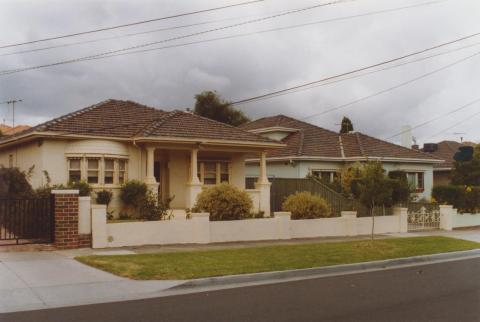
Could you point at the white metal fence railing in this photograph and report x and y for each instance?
(423, 218)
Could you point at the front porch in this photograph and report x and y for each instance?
(182, 171)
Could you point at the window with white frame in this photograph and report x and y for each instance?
(416, 180)
(214, 172)
(97, 170)
(109, 171)
(93, 170)
(122, 171)
(326, 175)
(74, 169)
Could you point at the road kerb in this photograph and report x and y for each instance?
(276, 276)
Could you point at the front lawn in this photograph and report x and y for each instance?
(198, 264)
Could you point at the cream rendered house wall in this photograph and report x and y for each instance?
(300, 169)
(24, 157)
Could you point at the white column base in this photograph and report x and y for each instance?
(193, 190)
(264, 189)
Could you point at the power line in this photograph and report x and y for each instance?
(436, 118)
(371, 13)
(393, 87)
(129, 24)
(454, 125)
(260, 31)
(125, 35)
(7, 72)
(271, 94)
(369, 73)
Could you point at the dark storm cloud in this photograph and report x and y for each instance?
(248, 66)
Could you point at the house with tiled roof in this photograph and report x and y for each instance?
(312, 150)
(444, 150)
(8, 130)
(175, 153)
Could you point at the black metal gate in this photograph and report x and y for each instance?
(26, 221)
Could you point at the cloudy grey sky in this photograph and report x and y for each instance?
(247, 66)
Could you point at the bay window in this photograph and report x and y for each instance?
(74, 170)
(109, 170)
(93, 170)
(97, 170)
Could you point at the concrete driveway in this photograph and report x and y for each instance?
(35, 280)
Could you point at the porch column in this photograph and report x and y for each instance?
(264, 185)
(194, 167)
(150, 178)
(194, 186)
(263, 169)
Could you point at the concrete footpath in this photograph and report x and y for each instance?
(38, 280)
(47, 279)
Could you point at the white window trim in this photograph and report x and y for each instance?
(218, 173)
(101, 169)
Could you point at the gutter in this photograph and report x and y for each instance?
(348, 159)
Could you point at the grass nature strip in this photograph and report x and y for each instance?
(208, 263)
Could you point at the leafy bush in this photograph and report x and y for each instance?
(304, 205)
(400, 187)
(463, 198)
(132, 193)
(14, 183)
(224, 202)
(124, 216)
(153, 209)
(83, 187)
(104, 197)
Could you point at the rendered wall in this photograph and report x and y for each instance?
(200, 230)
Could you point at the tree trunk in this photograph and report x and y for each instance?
(372, 212)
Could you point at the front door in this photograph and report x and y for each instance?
(160, 171)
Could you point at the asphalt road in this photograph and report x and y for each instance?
(439, 292)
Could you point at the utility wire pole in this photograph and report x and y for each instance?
(12, 102)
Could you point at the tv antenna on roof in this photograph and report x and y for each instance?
(12, 102)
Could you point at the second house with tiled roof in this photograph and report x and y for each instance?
(312, 150)
(175, 153)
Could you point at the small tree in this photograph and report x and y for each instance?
(373, 188)
(14, 183)
(347, 125)
(210, 105)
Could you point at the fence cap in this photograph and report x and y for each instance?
(65, 192)
(200, 215)
(282, 214)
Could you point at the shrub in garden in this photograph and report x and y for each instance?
(84, 188)
(132, 193)
(224, 202)
(104, 197)
(152, 209)
(304, 205)
(14, 183)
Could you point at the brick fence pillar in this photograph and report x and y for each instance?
(66, 219)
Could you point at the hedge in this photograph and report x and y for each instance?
(463, 198)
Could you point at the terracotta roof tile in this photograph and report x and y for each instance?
(127, 119)
(314, 141)
(445, 151)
